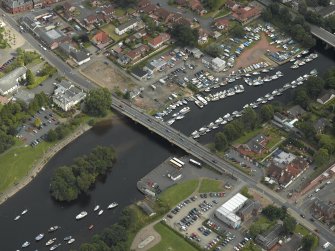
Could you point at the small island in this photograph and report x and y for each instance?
(68, 182)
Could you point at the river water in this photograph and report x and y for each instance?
(138, 152)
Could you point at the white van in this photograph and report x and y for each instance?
(326, 245)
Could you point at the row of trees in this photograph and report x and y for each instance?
(249, 121)
(68, 182)
(295, 27)
(12, 116)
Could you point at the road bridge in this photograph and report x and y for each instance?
(323, 35)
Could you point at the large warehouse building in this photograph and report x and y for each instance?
(227, 212)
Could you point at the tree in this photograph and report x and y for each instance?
(126, 3)
(314, 86)
(98, 102)
(274, 213)
(267, 15)
(308, 242)
(250, 119)
(302, 8)
(289, 224)
(185, 35)
(324, 2)
(220, 141)
(237, 30)
(37, 122)
(30, 77)
(231, 132)
(266, 113)
(275, 8)
(301, 98)
(321, 157)
(214, 50)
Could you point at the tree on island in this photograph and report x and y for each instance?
(68, 182)
(98, 102)
(185, 35)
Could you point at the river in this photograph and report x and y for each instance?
(138, 152)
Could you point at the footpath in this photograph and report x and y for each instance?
(42, 162)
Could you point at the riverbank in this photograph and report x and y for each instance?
(52, 151)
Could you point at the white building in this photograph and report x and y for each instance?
(123, 28)
(10, 82)
(67, 95)
(227, 212)
(218, 64)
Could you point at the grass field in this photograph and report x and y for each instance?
(301, 230)
(179, 192)
(17, 162)
(170, 241)
(208, 185)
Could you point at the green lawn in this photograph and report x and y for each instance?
(38, 80)
(170, 241)
(179, 192)
(17, 162)
(208, 185)
(222, 13)
(301, 230)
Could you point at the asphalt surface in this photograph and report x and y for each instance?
(172, 135)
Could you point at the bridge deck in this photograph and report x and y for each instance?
(324, 35)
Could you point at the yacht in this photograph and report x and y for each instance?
(224, 122)
(39, 237)
(55, 246)
(112, 205)
(49, 242)
(185, 110)
(71, 241)
(314, 72)
(196, 136)
(53, 228)
(219, 120)
(199, 104)
(24, 211)
(304, 52)
(211, 125)
(295, 66)
(25, 244)
(171, 121)
(180, 117)
(81, 215)
(100, 212)
(194, 133)
(17, 217)
(96, 208)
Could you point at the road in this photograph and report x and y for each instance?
(172, 135)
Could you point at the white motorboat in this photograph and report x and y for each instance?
(185, 110)
(25, 244)
(71, 241)
(112, 205)
(179, 117)
(100, 212)
(194, 133)
(224, 122)
(219, 120)
(24, 211)
(49, 242)
(196, 136)
(53, 228)
(199, 104)
(81, 215)
(170, 122)
(17, 217)
(39, 237)
(96, 208)
(67, 238)
(55, 246)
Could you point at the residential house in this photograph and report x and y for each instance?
(67, 95)
(148, 9)
(143, 3)
(164, 15)
(138, 52)
(251, 208)
(326, 96)
(270, 238)
(195, 5)
(52, 38)
(280, 118)
(123, 59)
(159, 40)
(90, 20)
(284, 173)
(256, 145)
(320, 209)
(139, 74)
(221, 23)
(101, 38)
(320, 125)
(296, 111)
(293, 244)
(11, 81)
(123, 28)
(80, 57)
(108, 12)
(17, 6)
(244, 14)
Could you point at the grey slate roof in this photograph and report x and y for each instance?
(9, 80)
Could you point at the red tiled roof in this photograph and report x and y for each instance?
(222, 21)
(161, 38)
(101, 37)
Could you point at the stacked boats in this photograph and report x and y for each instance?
(259, 81)
(178, 115)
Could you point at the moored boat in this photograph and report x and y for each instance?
(55, 246)
(96, 208)
(39, 237)
(100, 212)
(81, 215)
(112, 205)
(71, 241)
(53, 228)
(90, 227)
(24, 211)
(49, 242)
(67, 238)
(25, 244)
(17, 217)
